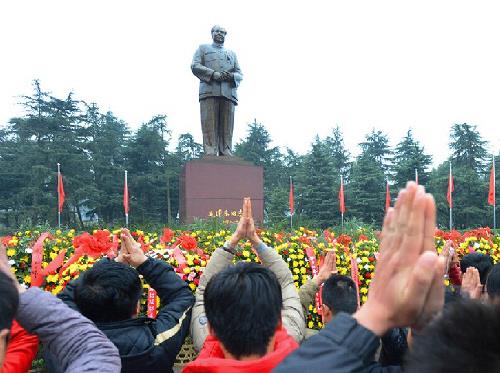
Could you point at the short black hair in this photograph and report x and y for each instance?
(339, 294)
(482, 262)
(243, 306)
(463, 339)
(493, 282)
(109, 291)
(9, 301)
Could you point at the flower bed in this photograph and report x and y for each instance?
(64, 255)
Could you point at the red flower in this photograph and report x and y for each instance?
(344, 239)
(187, 242)
(93, 245)
(168, 234)
(362, 237)
(5, 240)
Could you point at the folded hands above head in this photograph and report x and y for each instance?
(246, 227)
(407, 289)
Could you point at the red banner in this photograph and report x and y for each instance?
(341, 197)
(314, 268)
(355, 275)
(152, 303)
(290, 198)
(36, 260)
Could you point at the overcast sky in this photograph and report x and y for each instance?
(308, 66)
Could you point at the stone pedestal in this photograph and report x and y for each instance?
(215, 187)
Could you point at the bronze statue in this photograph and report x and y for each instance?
(219, 74)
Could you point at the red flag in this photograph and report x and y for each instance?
(290, 198)
(60, 191)
(341, 197)
(125, 195)
(491, 193)
(387, 197)
(451, 188)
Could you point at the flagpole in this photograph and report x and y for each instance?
(451, 197)
(342, 212)
(494, 196)
(291, 212)
(126, 212)
(58, 196)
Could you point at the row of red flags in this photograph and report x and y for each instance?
(342, 209)
(449, 194)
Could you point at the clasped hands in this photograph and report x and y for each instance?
(246, 226)
(130, 251)
(223, 76)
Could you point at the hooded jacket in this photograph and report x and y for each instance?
(211, 358)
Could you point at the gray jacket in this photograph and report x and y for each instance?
(210, 58)
(292, 314)
(74, 341)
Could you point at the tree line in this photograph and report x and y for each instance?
(95, 147)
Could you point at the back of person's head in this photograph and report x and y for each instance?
(493, 285)
(9, 301)
(463, 339)
(339, 295)
(482, 262)
(109, 291)
(243, 306)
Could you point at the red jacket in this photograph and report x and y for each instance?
(21, 350)
(211, 358)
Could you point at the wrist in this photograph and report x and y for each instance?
(372, 318)
(255, 240)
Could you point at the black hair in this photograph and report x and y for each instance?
(9, 301)
(243, 306)
(482, 262)
(339, 294)
(493, 282)
(463, 339)
(109, 291)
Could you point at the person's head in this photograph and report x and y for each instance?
(9, 301)
(109, 291)
(243, 307)
(338, 295)
(218, 34)
(483, 263)
(493, 285)
(463, 339)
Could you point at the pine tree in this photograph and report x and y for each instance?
(408, 157)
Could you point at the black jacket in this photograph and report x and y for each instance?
(148, 345)
(342, 346)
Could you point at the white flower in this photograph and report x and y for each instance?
(29, 250)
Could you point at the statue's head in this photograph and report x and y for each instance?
(218, 34)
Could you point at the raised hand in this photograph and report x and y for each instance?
(251, 233)
(131, 250)
(471, 283)
(328, 268)
(407, 287)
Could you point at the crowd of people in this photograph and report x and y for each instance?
(249, 317)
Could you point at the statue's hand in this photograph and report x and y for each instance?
(217, 76)
(226, 75)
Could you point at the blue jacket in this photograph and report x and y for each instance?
(342, 346)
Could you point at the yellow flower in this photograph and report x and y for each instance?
(246, 253)
(192, 286)
(11, 252)
(187, 270)
(310, 324)
(27, 279)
